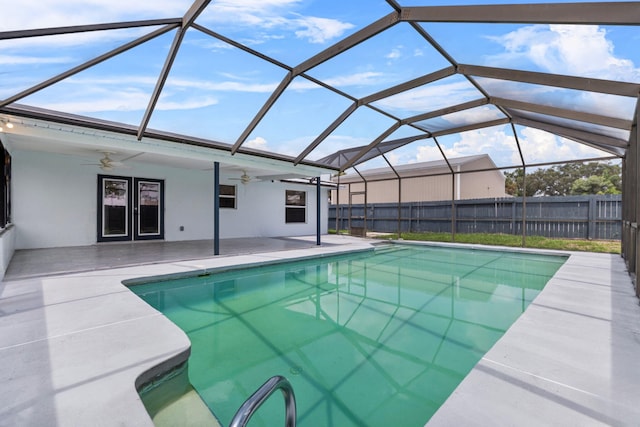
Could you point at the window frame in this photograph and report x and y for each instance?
(292, 209)
(233, 197)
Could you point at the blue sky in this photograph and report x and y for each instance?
(214, 90)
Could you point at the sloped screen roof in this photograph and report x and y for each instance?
(335, 84)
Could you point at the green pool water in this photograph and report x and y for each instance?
(369, 339)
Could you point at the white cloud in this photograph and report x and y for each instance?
(186, 103)
(105, 101)
(275, 15)
(431, 97)
(493, 141)
(335, 143)
(394, 54)
(258, 143)
(320, 30)
(539, 147)
(32, 60)
(356, 79)
(175, 83)
(474, 115)
(56, 13)
(582, 50)
(95, 100)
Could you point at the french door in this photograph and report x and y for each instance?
(130, 208)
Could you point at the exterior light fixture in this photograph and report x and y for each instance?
(5, 124)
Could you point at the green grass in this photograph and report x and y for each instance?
(603, 246)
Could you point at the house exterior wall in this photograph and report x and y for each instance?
(55, 203)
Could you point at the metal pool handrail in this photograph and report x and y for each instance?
(256, 400)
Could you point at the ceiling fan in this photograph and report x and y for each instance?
(245, 179)
(106, 163)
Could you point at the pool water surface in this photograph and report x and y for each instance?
(373, 338)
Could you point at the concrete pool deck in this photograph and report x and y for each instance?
(72, 346)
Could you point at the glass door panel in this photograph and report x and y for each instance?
(130, 208)
(114, 201)
(148, 209)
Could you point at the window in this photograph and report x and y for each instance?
(296, 206)
(228, 196)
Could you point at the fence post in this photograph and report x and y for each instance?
(513, 216)
(591, 221)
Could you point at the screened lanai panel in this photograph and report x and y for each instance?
(415, 151)
(402, 136)
(540, 147)
(484, 113)
(213, 90)
(290, 32)
(48, 14)
(556, 49)
(28, 62)
(297, 118)
(387, 59)
(443, 93)
(392, 147)
(621, 134)
(496, 141)
(605, 104)
(116, 89)
(360, 129)
(371, 163)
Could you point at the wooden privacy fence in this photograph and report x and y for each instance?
(574, 217)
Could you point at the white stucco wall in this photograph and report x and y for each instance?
(55, 203)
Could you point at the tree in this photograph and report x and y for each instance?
(567, 179)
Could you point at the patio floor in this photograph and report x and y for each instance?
(43, 262)
(73, 346)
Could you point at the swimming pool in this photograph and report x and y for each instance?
(373, 338)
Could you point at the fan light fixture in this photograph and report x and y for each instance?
(5, 123)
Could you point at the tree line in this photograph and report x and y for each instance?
(567, 180)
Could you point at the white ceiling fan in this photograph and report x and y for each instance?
(107, 164)
(245, 178)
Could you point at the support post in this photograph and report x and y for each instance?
(216, 208)
(453, 206)
(399, 207)
(524, 206)
(318, 210)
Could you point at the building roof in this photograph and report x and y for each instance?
(481, 162)
(329, 85)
